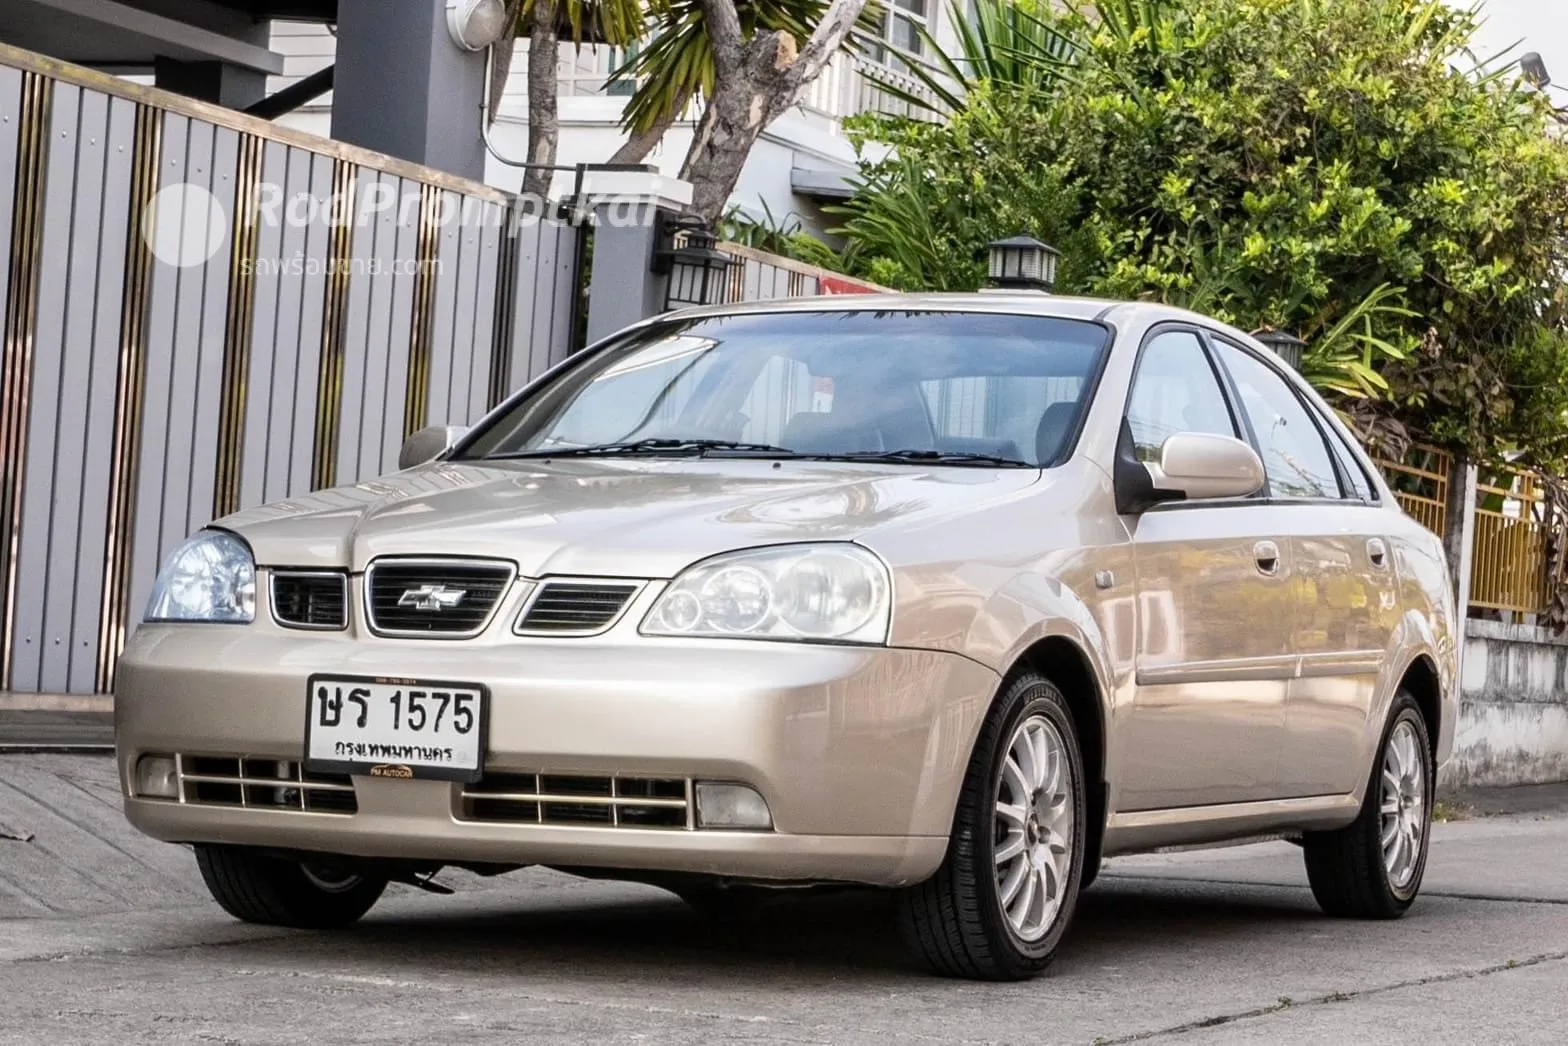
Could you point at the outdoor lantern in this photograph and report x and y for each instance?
(698, 271)
(1023, 263)
(1534, 70)
(1287, 347)
(476, 24)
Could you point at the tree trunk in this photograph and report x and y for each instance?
(729, 129)
(501, 63)
(756, 81)
(544, 46)
(636, 148)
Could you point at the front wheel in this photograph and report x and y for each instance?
(1372, 868)
(1003, 897)
(275, 891)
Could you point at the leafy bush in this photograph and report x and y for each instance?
(1336, 168)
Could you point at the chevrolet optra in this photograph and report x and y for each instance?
(955, 596)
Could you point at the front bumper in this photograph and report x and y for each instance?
(859, 752)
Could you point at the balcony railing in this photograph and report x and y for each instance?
(851, 84)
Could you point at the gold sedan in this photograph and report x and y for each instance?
(951, 595)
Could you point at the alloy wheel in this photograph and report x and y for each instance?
(1034, 828)
(1403, 807)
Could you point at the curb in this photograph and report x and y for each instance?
(102, 704)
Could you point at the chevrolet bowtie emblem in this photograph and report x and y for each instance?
(432, 597)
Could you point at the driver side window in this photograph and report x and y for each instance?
(1175, 390)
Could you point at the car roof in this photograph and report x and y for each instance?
(1104, 310)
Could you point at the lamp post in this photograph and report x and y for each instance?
(688, 254)
(1287, 347)
(1023, 263)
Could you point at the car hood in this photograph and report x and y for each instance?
(625, 517)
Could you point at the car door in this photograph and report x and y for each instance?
(1215, 647)
(1346, 584)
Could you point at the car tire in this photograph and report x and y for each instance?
(274, 891)
(1372, 868)
(971, 919)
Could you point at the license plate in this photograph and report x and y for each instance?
(395, 727)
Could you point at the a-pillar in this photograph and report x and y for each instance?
(405, 88)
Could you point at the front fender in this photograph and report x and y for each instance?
(1032, 608)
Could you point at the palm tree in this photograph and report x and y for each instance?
(747, 60)
(617, 22)
(676, 65)
(1017, 43)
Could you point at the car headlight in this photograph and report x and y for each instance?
(212, 577)
(833, 592)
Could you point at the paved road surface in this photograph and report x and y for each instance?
(106, 938)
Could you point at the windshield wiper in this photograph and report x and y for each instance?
(652, 446)
(935, 457)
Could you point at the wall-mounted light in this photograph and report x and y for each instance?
(688, 253)
(476, 24)
(1287, 347)
(1023, 263)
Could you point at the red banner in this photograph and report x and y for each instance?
(843, 285)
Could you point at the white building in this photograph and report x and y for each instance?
(799, 163)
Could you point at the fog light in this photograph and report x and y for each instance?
(155, 777)
(731, 806)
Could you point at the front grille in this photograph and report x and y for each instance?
(442, 599)
(563, 799)
(268, 784)
(576, 606)
(310, 599)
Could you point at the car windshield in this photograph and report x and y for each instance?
(977, 389)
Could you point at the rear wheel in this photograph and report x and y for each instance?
(1003, 898)
(1372, 868)
(275, 891)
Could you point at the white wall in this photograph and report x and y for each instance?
(1513, 713)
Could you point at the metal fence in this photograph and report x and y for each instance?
(1420, 484)
(759, 276)
(186, 333)
(1508, 565)
(1508, 573)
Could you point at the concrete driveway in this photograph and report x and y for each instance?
(107, 938)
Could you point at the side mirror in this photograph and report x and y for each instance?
(1199, 465)
(428, 444)
(1192, 465)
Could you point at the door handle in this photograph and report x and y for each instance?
(1377, 552)
(1266, 553)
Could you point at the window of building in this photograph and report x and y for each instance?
(902, 21)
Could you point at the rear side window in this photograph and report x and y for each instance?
(1176, 390)
(1295, 457)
